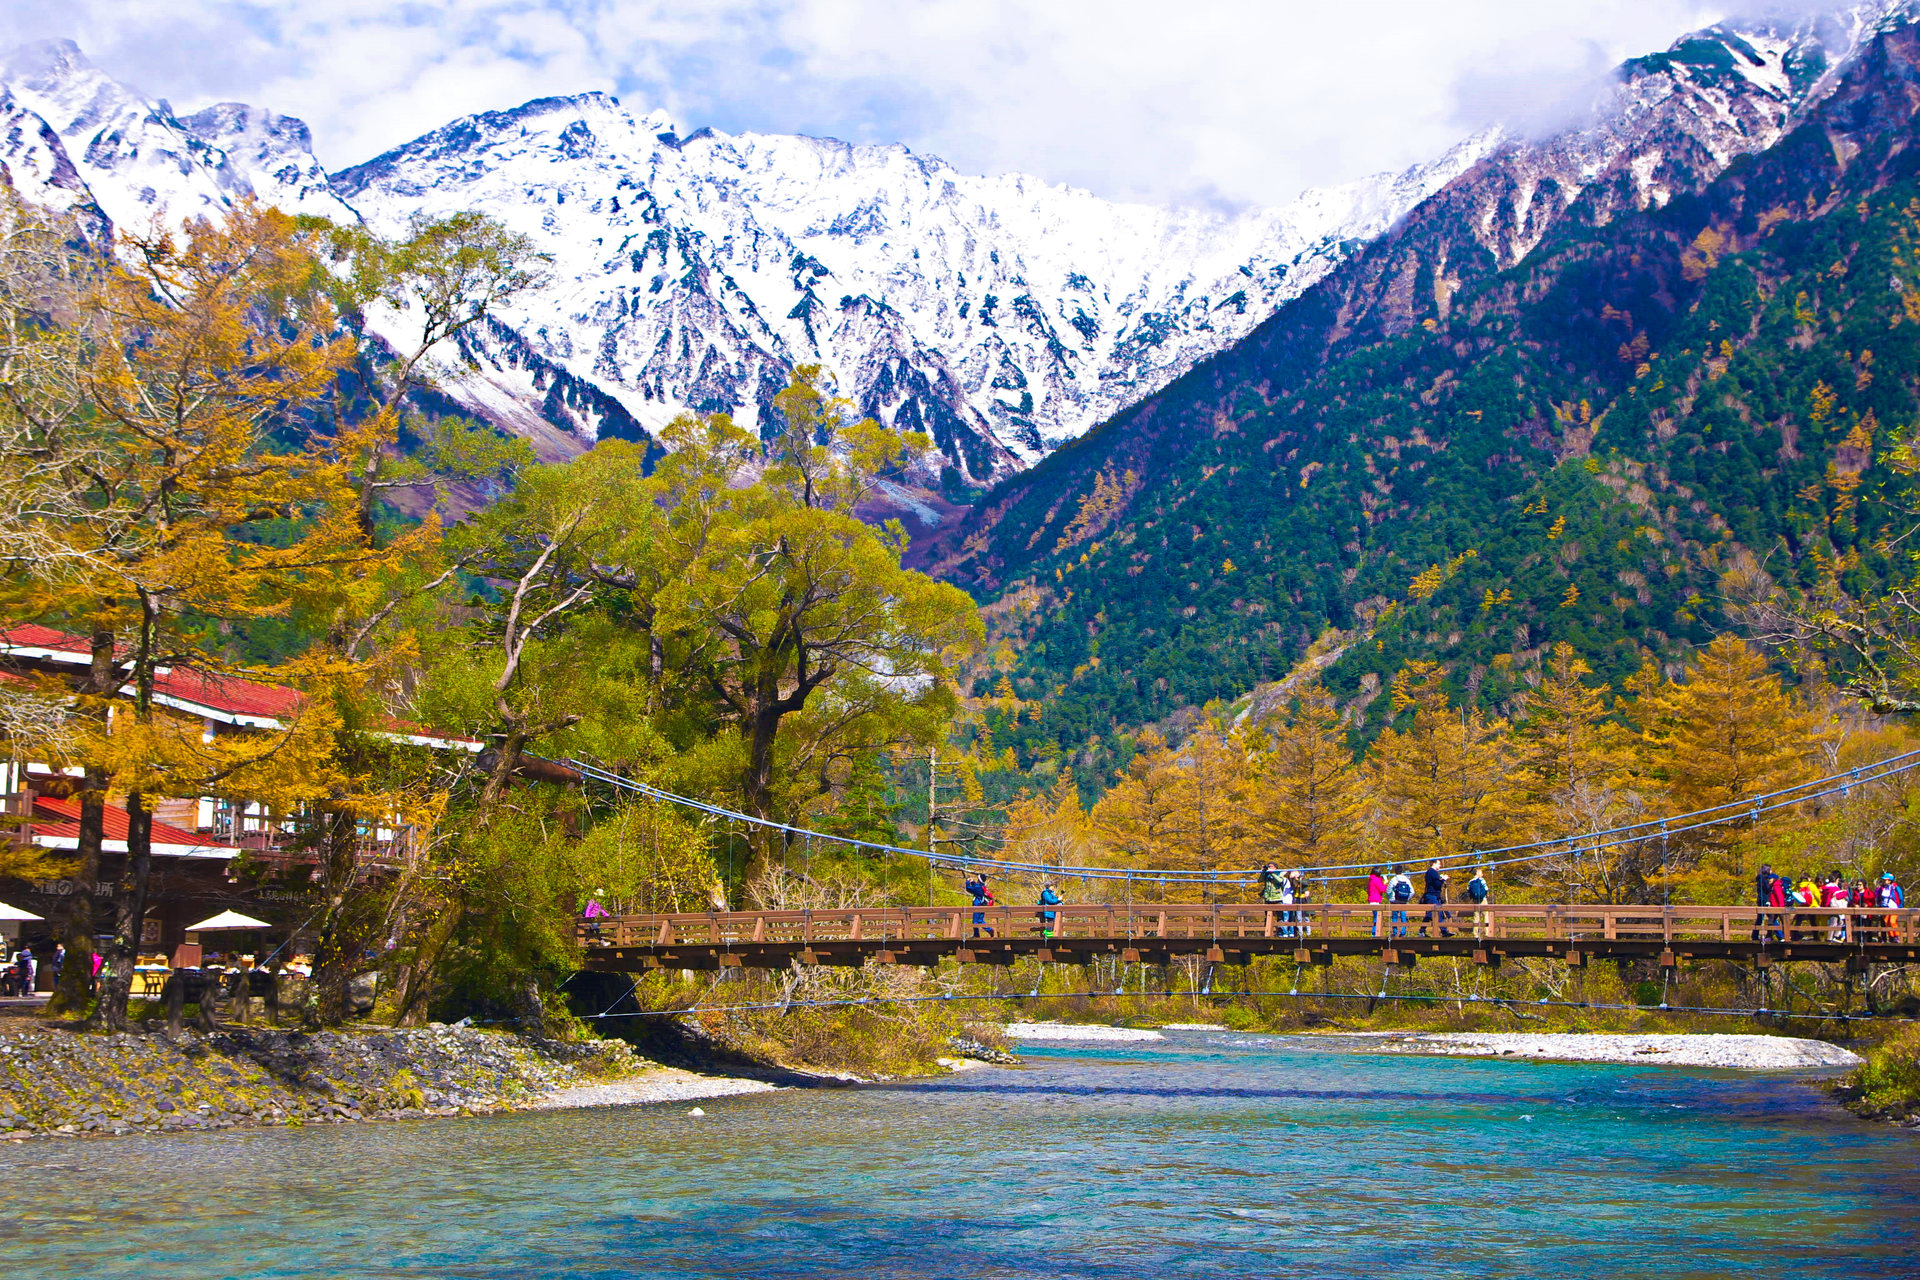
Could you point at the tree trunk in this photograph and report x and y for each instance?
(408, 990)
(756, 789)
(116, 980)
(77, 918)
(333, 959)
(500, 774)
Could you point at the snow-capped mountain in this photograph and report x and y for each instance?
(136, 159)
(1002, 315)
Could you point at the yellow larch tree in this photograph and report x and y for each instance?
(1302, 790)
(1141, 817)
(1728, 730)
(1440, 787)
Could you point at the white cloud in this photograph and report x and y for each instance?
(1230, 100)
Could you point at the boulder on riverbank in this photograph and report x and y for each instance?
(55, 1080)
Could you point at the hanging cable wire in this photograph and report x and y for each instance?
(1751, 807)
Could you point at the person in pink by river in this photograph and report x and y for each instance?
(1376, 893)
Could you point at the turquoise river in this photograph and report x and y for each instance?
(1208, 1154)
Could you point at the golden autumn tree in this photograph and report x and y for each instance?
(1302, 792)
(1727, 731)
(1051, 829)
(1181, 810)
(1140, 817)
(201, 356)
(1438, 787)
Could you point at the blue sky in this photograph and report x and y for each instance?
(1213, 101)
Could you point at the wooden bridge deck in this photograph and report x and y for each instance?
(1234, 933)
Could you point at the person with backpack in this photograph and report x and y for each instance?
(982, 897)
(1480, 894)
(1833, 896)
(1805, 894)
(1889, 898)
(1763, 882)
(1399, 892)
(1048, 898)
(1303, 894)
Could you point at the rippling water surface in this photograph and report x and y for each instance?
(1206, 1155)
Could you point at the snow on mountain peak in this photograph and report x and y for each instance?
(1002, 315)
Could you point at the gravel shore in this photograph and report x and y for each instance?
(1074, 1031)
(660, 1084)
(1736, 1052)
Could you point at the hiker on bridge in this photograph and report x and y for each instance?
(1048, 898)
(1769, 890)
(1435, 895)
(1376, 893)
(982, 897)
(1480, 894)
(1399, 892)
(1273, 885)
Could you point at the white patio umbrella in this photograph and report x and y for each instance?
(13, 915)
(227, 920)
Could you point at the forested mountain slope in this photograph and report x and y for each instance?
(1438, 453)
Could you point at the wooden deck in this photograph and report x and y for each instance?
(1234, 933)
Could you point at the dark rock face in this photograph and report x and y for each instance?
(56, 1081)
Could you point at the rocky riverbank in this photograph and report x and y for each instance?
(56, 1081)
(1733, 1052)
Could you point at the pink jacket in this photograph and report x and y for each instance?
(1376, 889)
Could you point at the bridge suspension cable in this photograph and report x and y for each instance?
(1748, 807)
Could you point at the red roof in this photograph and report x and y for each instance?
(224, 695)
(57, 818)
(227, 693)
(28, 635)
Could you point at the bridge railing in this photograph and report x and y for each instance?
(1225, 922)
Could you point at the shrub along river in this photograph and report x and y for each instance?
(1207, 1154)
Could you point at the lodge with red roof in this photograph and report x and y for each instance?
(195, 842)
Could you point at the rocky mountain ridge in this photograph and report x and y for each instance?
(1670, 125)
(1001, 315)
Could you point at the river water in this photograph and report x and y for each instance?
(1209, 1154)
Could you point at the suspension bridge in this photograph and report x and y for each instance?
(1229, 933)
(1226, 933)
